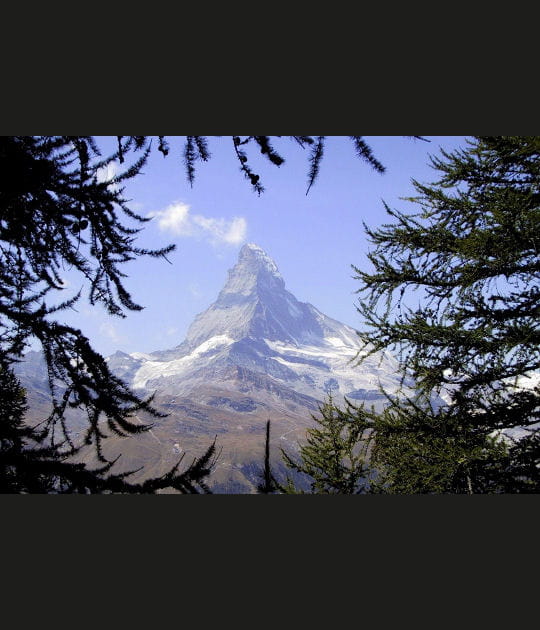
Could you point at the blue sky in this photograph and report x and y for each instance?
(313, 238)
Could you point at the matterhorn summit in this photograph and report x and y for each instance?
(258, 332)
(254, 304)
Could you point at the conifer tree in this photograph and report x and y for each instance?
(267, 484)
(470, 251)
(15, 477)
(334, 458)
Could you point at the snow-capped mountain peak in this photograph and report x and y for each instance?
(255, 324)
(254, 254)
(254, 271)
(254, 303)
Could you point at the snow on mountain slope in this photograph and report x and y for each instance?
(151, 370)
(257, 324)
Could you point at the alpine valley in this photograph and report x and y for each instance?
(255, 354)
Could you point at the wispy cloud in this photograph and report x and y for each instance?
(178, 220)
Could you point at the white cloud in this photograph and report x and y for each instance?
(230, 232)
(176, 219)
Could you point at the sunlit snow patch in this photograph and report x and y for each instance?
(155, 369)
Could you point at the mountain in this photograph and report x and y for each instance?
(256, 353)
(257, 327)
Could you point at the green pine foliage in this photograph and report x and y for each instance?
(454, 292)
(422, 448)
(14, 434)
(334, 458)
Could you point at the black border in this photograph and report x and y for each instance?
(412, 92)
